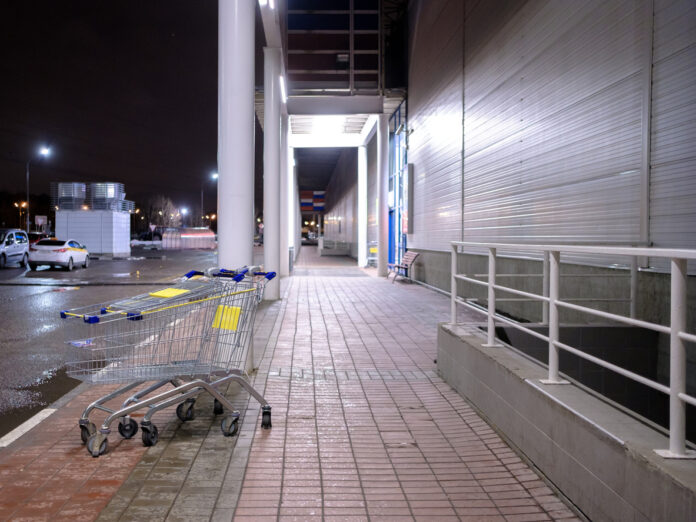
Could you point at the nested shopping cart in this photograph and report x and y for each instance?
(194, 335)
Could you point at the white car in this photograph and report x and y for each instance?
(58, 252)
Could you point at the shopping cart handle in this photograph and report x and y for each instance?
(231, 275)
(243, 270)
(267, 275)
(192, 273)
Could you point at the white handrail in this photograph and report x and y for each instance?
(582, 249)
(551, 303)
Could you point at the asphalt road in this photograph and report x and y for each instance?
(32, 342)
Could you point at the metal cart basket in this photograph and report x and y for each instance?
(194, 335)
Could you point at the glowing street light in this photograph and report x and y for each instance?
(44, 152)
(214, 176)
(20, 206)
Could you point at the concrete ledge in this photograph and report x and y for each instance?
(599, 457)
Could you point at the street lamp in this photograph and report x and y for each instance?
(19, 206)
(213, 176)
(184, 211)
(44, 152)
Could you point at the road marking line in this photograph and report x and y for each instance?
(25, 427)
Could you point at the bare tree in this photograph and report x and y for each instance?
(162, 212)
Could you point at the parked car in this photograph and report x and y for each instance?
(35, 237)
(151, 235)
(58, 252)
(14, 245)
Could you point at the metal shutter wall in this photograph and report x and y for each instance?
(552, 131)
(435, 115)
(673, 152)
(341, 201)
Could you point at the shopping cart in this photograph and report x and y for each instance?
(194, 336)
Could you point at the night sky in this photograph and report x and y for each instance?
(122, 90)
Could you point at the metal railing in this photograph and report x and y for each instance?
(552, 303)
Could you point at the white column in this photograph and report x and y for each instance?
(292, 203)
(284, 267)
(362, 206)
(236, 24)
(271, 168)
(383, 181)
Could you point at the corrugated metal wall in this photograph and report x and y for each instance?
(435, 115)
(340, 216)
(554, 98)
(673, 176)
(552, 134)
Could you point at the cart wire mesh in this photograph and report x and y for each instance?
(207, 331)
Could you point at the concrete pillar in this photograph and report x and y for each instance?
(383, 181)
(236, 22)
(284, 195)
(362, 206)
(271, 168)
(292, 199)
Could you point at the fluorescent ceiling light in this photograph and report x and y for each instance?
(328, 125)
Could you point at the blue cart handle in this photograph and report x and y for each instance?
(267, 275)
(231, 275)
(243, 270)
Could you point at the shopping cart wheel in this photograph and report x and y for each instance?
(185, 411)
(127, 428)
(97, 444)
(150, 434)
(86, 430)
(230, 425)
(266, 417)
(217, 407)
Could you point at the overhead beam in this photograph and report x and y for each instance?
(335, 105)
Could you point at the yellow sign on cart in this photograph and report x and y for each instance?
(169, 292)
(227, 317)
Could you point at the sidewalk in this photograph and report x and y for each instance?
(363, 428)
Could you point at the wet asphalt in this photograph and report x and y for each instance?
(33, 351)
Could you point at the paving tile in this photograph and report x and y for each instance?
(362, 427)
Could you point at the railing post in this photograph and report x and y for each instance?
(677, 360)
(545, 289)
(554, 286)
(491, 299)
(634, 285)
(677, 366)
(453, 284)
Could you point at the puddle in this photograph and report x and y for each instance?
(28, 401)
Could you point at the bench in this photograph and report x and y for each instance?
(403, 267)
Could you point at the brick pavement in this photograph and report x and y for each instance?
(363, 428)
(48, 475)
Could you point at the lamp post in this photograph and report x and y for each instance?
(44, 152)
(20, 206)
(213, 176)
